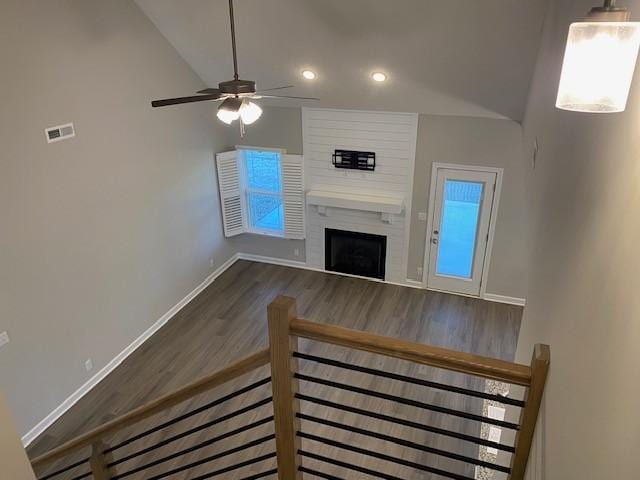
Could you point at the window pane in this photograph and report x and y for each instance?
(459, 226)
(266, 211)
(263, 171)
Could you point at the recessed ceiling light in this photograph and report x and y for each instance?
(309, 74)
(379, 76)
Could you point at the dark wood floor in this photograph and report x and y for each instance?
(228, 321)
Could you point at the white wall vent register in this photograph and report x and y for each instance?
(61, 132)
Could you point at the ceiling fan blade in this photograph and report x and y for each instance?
(179, 100)
(287, 96)
(210, 91)
(276, 88)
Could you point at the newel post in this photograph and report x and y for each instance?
(285, 406)
(99, 461)
(529, 414)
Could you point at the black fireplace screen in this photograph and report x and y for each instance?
(355, 253)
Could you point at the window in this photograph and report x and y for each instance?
(263, 172)
(261, 191)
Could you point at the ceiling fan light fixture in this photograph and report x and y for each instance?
(379, 77)
(599, 61)
(227, 116)
(309, 74)
(250, 112)
(229, 110)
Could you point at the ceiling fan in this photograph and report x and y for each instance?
(236, 94)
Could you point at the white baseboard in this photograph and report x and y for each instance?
(492, 297)
(414, 284)
(297, 264)
(32, 434)
(273, 260)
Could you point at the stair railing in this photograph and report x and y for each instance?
(100, 463)
(284, 355)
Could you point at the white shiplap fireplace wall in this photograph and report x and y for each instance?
(392, 136)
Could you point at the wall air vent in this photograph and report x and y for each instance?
(61, 132)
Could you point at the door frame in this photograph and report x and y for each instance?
(492, 221)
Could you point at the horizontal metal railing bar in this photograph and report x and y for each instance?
(193, 448)
(412, 380)
(407, 401)
(237, 466)
(184, 416)
(205, 384)
(82, 476)
(268, 473)
(191, 431)
(406, 423)
(317, 473)
(211, 458)
(404, 443)
(385, 457)
(348, 466)
(64, 469)
(462, 362)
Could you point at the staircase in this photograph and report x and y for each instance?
(311, 436)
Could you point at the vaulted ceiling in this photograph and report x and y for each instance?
(452, 57)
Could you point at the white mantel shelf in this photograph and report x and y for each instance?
(386, 206)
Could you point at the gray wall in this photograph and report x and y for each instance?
(103, 233)
(277, 128)
(583, 289)
(14, 463)
(481, 142)
(460, 140)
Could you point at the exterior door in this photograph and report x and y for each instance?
(461, 215)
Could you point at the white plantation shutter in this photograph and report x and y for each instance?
(293, 196)
(233, 210)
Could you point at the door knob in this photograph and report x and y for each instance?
(434, 241)
(436, 232)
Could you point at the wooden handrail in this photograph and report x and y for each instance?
(206, 383)
(424, 354)
(529, 415)
(285, 386)
(99, 461)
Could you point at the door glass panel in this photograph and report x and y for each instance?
(459, 227)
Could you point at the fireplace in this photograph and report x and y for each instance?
(355, 253)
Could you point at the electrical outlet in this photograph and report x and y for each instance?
(4, 338)
(211, 262)
(422, 216)
(88, 365)
(296, 252)
(419, 272)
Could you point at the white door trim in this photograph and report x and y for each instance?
(492, 220)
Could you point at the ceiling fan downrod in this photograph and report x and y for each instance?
(233, 41)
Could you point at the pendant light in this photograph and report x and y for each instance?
(599, 61)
